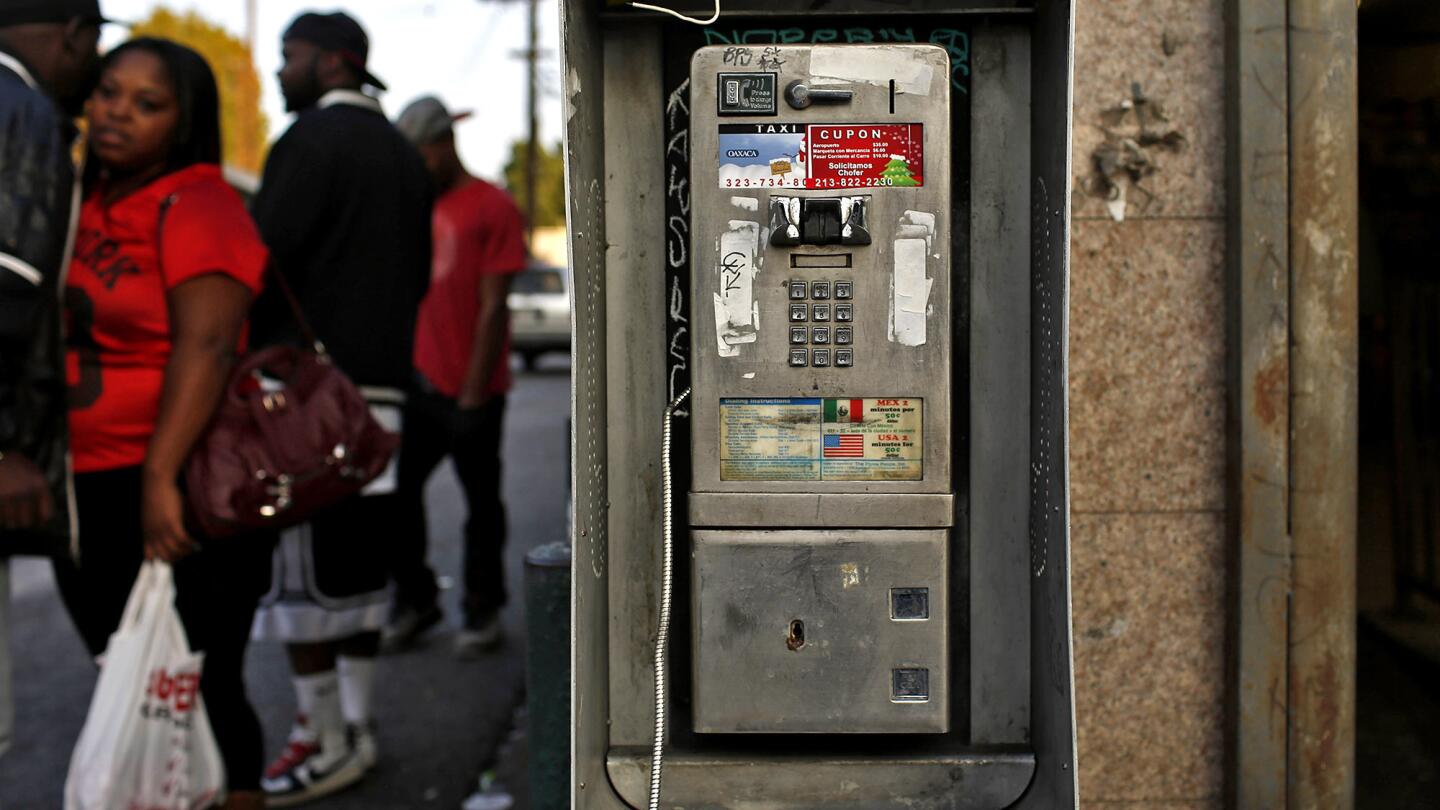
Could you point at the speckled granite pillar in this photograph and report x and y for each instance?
(1147, 411)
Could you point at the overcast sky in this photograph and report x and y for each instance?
(461, 50)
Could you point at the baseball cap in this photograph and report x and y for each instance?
(20, 12)
(339, 32)
(425, 119)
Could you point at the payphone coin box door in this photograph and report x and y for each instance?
(820, 180)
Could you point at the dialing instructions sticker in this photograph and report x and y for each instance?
(822, 156)
(782, 439)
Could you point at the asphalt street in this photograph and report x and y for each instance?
(440, 720)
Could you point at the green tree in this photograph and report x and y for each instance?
(549, 182)
(242, 123)
(897, 171)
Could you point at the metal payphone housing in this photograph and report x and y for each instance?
(1006, 734)
(822, 269)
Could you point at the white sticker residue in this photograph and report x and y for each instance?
(911, 72)
(746, 203)
(737, 313)
(911, 293)
(909, 288)
(917, 225)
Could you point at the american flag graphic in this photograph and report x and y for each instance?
(844, 445)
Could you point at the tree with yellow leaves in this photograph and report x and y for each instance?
(242, 124)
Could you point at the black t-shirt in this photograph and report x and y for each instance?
(344, 207)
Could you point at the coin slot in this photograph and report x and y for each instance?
(822, 261)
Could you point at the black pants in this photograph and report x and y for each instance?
(216, 590)
(433, 429)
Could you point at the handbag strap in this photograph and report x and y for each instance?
(306, 332)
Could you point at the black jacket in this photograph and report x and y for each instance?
(344, 206)
(36, 187)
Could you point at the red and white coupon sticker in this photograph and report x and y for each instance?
(822, 156)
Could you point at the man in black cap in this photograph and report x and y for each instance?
(344, 206)
(47, 62)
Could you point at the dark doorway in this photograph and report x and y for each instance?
(1398, 565)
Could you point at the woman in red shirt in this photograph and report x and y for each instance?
(166, 263)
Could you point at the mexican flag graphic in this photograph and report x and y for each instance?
(844, 410)
(897, 172)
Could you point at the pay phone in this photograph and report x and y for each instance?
(821, 516)
(821, 495)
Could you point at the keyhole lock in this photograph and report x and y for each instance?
(801, 95)
(795, 639)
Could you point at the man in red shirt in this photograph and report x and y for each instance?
(462, 360)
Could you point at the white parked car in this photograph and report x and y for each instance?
(540, 312)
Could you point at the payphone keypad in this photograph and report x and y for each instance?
(820, 338)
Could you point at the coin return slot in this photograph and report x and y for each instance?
(795, 639)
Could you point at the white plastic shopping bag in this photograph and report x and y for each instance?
(147, 742)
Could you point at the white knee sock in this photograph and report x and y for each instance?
(357, 683)
(318, 697)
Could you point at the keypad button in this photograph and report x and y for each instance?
(799, 357)
(820, 312)
(844, 358)
(799, 313)
(820, 290)
(820, 334)
(797, 291)
(820, 358)
(842, 336)
(843, 312)
(842, 290)
(798, 335)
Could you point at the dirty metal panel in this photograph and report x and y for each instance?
(1324, 284)
(965, 781)
(1258, 377)
(810, 632)
(819, 510)
(584, 179)
(1000, 386)
(635, 251)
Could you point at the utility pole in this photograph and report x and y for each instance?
(251, 17)
(531, 55)
(532, 157)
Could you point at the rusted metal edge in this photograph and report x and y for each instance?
(584, 186)
(969, 781)
(1258, 407)
(1324, 323)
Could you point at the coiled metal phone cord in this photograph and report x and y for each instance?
(662, 635)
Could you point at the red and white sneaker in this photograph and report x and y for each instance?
(305, 771)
